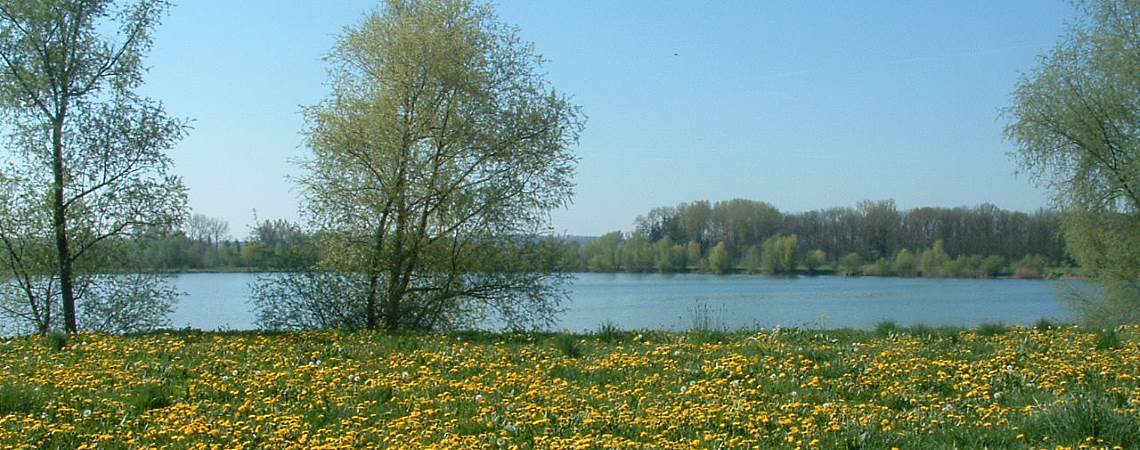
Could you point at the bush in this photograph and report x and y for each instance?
(905, 264)
(1108, 339)
(310, 300)
(568, 345)
(609, 332)
(719, 259)
(1026, 273)
(152, 396)
(887, 328)
(992, 329)
(991, 266)
(879, 268)
(815, 260)
(849, 265)
(57, 341)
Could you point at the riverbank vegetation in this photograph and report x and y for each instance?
(874, 238)
(995, 387)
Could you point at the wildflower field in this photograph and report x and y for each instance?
(908, 388)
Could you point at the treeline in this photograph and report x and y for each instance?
(874, 238)
(272, 245)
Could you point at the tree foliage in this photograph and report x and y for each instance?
(815, 259)
(935, 261)
(439, 151)
(850, 264)
(905, 263)
(779, 254)
(719, 259)
(1075, 121)
(873, 229)
(208, 230)
(86, 157)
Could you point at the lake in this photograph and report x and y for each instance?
(677, 302)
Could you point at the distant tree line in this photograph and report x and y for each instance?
(204, 244)
(873, 238)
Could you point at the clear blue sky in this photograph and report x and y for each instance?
(806, 105)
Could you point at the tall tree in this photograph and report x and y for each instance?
(206, 229)
(86, 146)
(440, 149)
(1076, 121)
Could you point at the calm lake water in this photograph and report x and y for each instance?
(677, 302)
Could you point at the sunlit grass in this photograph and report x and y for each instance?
(907, 387)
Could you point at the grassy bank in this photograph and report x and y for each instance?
(894, 387)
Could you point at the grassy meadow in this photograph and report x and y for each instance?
(994, 386)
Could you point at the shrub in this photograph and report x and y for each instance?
(887, 328)
(905, 264)
(568, 345)
(719, 259)
(1031, 266)
(609, 332)
(992, 329)
(991, 266)
(849, 265)
(152, 396)
(879, 268)
(57, 341)
(1108, 339)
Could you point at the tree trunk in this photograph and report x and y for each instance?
(59, 219)
(392, 303)
(371, 321)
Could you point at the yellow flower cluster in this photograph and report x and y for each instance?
(772, 389)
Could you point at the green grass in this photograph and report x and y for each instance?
(610, 333)
(1080, 416)
(992, 329)
(568, 345)
(57, 341)
(1108, 339)
(16, 399)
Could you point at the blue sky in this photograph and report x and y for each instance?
(805, 105)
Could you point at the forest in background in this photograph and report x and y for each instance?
(872, 238)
